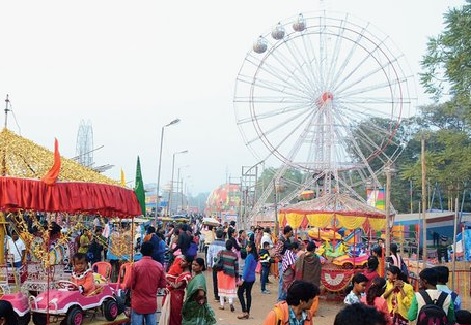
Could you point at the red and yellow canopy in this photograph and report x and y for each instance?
(333, 210)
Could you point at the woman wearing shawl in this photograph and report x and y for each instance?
(196, 310)
(308, 267)
(228, 276)
(178, 277)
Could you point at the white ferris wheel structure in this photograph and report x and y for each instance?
(324, 93)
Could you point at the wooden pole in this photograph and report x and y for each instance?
(387, 206)
(455, 221)
(424, 204)
(277, 226)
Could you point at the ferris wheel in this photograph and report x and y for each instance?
(324, 93)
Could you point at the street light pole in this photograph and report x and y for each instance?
(171, 182)
(157, 200)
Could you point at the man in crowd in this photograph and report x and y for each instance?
(147, 277)
(295, 310)
(266, 237)
(17, 249)
(280, 249)
(428, 279)
(216, 246)
(443, 275)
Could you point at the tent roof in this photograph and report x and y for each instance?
(22, 157)
(341, 203)
(78, 190)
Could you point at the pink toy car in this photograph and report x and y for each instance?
(20, 305)
(348, 262)
(68, 302)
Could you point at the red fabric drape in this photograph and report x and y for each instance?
(69, 197)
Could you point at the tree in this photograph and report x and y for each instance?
(447, 62)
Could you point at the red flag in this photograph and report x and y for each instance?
(51, 177)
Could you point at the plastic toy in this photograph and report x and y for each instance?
(68, 302)
(20, 305)
(349, 262)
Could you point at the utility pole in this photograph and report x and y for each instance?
(424, 203)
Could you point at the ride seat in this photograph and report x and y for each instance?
(124, 274)
(103, 268)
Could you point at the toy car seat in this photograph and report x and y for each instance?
(124, 274)
(104, 268)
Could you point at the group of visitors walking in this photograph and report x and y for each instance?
(235, 257)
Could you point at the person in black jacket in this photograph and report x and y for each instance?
(232, 233)
(184, 239)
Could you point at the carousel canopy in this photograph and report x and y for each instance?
(78, 190)
(22, 157)
(337, 209)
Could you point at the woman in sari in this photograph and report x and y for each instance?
(196, 310)
(178, 277)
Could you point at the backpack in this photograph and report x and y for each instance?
(192, 250)
(432, 312)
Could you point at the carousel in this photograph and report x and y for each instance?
(343, 228)
(48, 201)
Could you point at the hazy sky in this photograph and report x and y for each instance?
(131, 67)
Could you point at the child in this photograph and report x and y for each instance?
(359, 284)
(374, 297)
(264, 258)
(82, 275)
(372, 271)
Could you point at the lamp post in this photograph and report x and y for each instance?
(157, 200)
(178, 185)
(171, 182)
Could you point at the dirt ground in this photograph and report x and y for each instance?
(262, 304)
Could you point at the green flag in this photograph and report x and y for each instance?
(139, 188)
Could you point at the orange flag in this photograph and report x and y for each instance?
(51, 176)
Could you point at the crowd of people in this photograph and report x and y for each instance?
(396, 300)
(170, 265)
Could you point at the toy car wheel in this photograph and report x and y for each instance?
(74, 316)
(348, 266)
(39, 319)
(110, 309)
(23, 320)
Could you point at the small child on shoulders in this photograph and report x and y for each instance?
(82, 275)
(359, 285)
